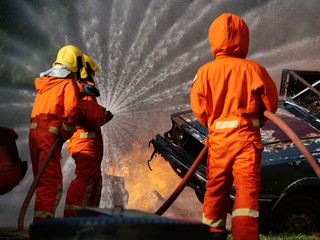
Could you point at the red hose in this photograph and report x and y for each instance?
(315, 166)
(36, 183)
(183, 183)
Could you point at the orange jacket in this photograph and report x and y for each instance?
(87, 137)
(56, 102)
(229, 94)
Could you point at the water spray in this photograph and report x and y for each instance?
(203, 152)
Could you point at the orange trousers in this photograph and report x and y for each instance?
(85, 189)
(225, 167)
(49, 190)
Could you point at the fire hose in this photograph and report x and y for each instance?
(35, 183)
(281, 124)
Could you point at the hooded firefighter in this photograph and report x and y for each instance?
(229, 96)
(55, 112)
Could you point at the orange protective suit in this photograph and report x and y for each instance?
(54, 112)
(86, 147)
(228, 96)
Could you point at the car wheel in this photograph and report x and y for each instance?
(117, 228)
(297, 214)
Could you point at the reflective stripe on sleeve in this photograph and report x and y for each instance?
(220, 223)
(256, 122)
(68, 127)
(227, 124)
(54, 130)
(33, 125)
(245, 212)
(87, 135)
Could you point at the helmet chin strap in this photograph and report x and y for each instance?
(89, 73)
(76, 75)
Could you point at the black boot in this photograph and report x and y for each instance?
(219, 235)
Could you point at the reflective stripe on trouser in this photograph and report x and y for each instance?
(49, 190)
(95, 197)
(51, 129)
(41, 138)
(93, 201)
(243, 168)
(70, 209)
(39, 215)
(81, 189)
(234, 124)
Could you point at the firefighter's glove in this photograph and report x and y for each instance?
(91, 90)
(107, 116)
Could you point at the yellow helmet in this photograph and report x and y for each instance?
(71, 57)
(90, 68)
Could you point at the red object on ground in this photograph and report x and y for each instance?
(12, 170)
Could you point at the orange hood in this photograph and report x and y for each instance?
(229, 35)
(43, 84)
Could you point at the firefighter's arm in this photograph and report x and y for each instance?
(71, 110)
(198, 101)
(268, 96)
(269, 93)
(95, 115)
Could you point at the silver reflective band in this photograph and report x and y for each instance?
(68, 127)
(227, 124)
(43, 214)
(87, 135)
(214, 223)
(54, 130)
(71, 207)
(245, 212)
(256, 122)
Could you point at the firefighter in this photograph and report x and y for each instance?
(228, 96)
(54, 113)
(86, 145)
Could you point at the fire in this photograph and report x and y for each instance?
(147, 189)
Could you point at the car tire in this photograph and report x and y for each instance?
(297, 214)
(117, 228)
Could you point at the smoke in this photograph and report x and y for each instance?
(148, 52)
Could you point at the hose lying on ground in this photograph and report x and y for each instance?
(36, 183)
(281, 124)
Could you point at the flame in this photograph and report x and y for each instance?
(146, 188)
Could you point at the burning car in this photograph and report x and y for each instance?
(290, 190)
